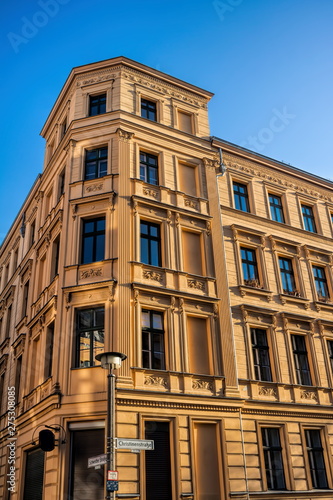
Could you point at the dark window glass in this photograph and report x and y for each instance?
(97, 104)
(55, 257)
(301, 360)
(332, 217)
(49, 350)
(320, 281)
(273, 459)
(148, 110)
(34, 475)
(149, 168)
(18, 373)
(150, 243)
(93, 240)
(330, 352)
(241, 198)
(249, 266)
(84, 483)
(152, 340)
(158, 462)
(287, 275)
(316, 459)
(32, 233)
(275, 204)
(61, 185)
(260, 350)
(308, 219)
(25, 299)
(96, 163)
(89, 336)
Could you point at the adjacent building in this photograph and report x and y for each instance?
(208, 265)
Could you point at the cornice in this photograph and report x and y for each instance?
(249, 167)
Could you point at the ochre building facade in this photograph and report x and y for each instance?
(208, 265)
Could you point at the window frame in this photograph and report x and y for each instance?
(151, 239)
(99, 104)
(151, 331)
(148, 101)
(268, 349)
(320, 297)
(245, 196)
(91, 330)
(280, 448)
(94, 234)
(298, 371)
(96, 162)
(291, 272)
(147, 167)
(275, 206)
(191, 117)
(309, 217)
(325, 456)
(250, 281)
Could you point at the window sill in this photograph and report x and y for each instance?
(319, 305)
(296, 300)
(252, 290)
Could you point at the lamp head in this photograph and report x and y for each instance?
(111, 360)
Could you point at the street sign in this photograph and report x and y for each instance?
(134, 444)
(96, 461)
(112, 485)
(112, 475)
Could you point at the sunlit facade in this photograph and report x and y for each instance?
(208, 265)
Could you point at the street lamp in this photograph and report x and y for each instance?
(111, 361)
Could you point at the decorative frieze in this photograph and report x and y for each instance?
(196, 284)
(152, 275)
(309, 395)
(202, 384)
(94, 187)
(155, 381)
(150, 192)
(191, 203)
(267, 391)
(91, 273)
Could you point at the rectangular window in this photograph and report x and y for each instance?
(149, 168)
(192, 256)
(185, 122)
(97, 104)
(61, 184)
(187, 179)
(153, 340)
(206, 443)
(198, 345)
(150, 242)
(34, 367)
(316, 459)
(330, 352)
(320, 282)
(275, 204)
(308, 219)
(86, 483)
(63, 128)
(93, 240)
(34, 475)
(249, 267)
(15, 259)
(18, 373)
(32, 233)
(8, 321)
(273, 459)
(49, 351)
(158, 462)
(302, 367)
(89, 336)
(55, 257)
(287, 275)
(241, 198)
(148, 110)
(25, 299)
(260, 351)
(96, 163)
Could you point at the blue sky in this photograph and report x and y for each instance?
(269, 63)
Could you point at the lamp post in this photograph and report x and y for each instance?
(111, 361)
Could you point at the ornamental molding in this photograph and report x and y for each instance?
(152, 275)
(150, 192)
(155, 381)
(191, 203)
(309, 395)
(198, 285)
(281, 180)
(91, 273)
(167, 89)
(202, 384)
(99, 77)
(124, 135)
(267, 391)
(94, 187)
(210, 164)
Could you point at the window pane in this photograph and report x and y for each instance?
(316, 459)
(241, 197)
(90, 336)
(273, 459)
(276, 208)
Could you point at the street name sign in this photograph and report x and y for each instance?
(134, 444)
(96, 461)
